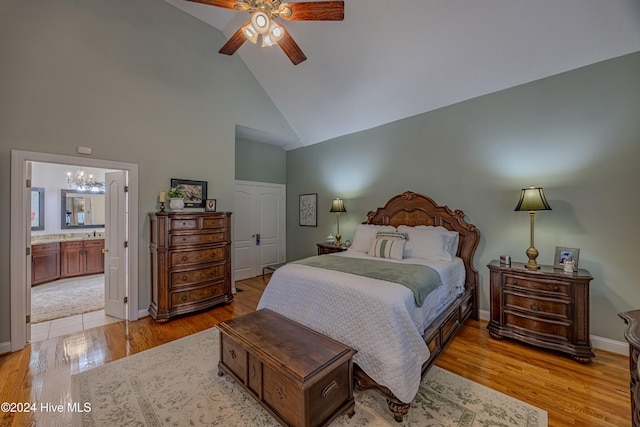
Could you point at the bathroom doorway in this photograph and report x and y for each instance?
(67, 249)
(21, 166)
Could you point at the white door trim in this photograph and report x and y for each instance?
(18, 233)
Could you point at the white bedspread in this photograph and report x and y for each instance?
(375, 317)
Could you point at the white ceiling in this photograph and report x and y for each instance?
(393, 59)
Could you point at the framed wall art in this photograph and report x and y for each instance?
(566, 254)
(309, 210)
(195, 192)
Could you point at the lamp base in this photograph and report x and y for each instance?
(532, 253)
(338, 237)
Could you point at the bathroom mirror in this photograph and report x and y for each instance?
(82, 209)
(37, 208)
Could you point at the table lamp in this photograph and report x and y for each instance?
(162, 198)
(532, 199)
(338, 206)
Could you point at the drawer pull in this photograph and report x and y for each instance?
(556, 288)
(253, 371)
(534, 306)
(280, 392)
(184, 258)
(233, 354)
(325, 391)
(184, 277)
(183, 298)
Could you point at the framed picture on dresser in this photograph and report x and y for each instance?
(195, 192)
(566, 254)
(210, 206)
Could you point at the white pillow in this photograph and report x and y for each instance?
(387, 247)
(427, 242)
(364, 233)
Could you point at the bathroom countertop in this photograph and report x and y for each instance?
(65, 237)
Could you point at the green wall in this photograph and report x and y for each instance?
(576, 134)
(260, 162)
(139, 81)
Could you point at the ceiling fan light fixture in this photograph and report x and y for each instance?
(275, 32)
(265, 12)
(267, 42)
(261, 22)
(250, 33)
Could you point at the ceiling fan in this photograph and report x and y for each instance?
(262, 22)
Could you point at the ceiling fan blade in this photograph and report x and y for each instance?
(227, 4)
(234, 43)
(291, 48)
(312, 11)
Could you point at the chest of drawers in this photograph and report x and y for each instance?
(546, 308)
(632, 335)
(302, 378)
(190, 262)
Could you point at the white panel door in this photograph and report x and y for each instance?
(243, 233)
(259, 228)
(115, 251)
(270, 226)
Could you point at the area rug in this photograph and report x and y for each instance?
(177, 384)
(67, 297)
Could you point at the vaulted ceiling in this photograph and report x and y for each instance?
(393, 59)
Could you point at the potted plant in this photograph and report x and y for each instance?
(176, 198)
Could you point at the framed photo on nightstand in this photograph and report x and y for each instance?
(566, 254)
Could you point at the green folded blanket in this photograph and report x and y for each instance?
(420, 279)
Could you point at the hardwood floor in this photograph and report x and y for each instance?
(596, 394)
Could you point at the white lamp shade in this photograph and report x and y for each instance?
(275, 32)
(260, 22)
(250, 33)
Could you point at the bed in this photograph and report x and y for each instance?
(398, 333)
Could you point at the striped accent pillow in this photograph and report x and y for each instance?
(393, 234)
(387, 248)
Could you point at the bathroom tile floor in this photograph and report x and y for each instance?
(66, 325)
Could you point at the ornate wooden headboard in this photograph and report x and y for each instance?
(413, 209)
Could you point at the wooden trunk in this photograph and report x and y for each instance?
(302, 378)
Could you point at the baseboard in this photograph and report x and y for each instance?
(143, 313)
(600, 343)
(613, 346)
(5, 347)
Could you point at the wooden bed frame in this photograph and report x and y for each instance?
(414, 209)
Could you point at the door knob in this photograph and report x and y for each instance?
(105, 250)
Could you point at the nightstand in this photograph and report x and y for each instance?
(329, 248)
(547, 308)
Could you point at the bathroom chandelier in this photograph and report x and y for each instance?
(82, 181)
